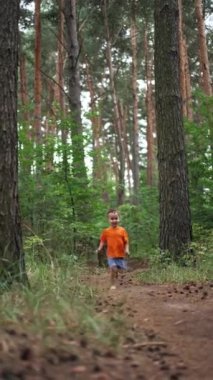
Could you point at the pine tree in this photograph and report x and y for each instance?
(175, 219)
(12, 266)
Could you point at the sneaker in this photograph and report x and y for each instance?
(113, 287)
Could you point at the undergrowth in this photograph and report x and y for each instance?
(173, 273)
(196, 265)
(58, 301)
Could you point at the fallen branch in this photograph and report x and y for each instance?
(145, 344)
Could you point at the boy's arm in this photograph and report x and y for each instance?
(126, 243)
(101, 245)
(126, 249)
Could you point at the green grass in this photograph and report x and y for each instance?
(58, 302)
(159, 273)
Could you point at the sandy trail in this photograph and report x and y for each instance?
(167, 334)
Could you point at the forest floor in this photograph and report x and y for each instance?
(167, 333)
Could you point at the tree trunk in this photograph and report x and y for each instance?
(205, 78)
(12, 265)
(182, 63)
(175, 218)
(37, 79)
(79, 180)
(49, 128)
(188, 82)
(203, 52)
(150, 109)
(25, 116)
(185, 82)
(23, 88)
(98, 170)
(59, 88)
(123, 115)
(117, 120)
(135, 151)
(73, 63)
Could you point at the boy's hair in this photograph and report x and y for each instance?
(112, 211)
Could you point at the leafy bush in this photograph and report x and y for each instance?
(142, 222)
(199, 153)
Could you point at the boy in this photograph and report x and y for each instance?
(116, 240)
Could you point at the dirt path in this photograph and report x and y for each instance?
(173, 327)
(167, 334)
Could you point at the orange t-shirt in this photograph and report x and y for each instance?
(115, 239)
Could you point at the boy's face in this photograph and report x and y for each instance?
(113, 219)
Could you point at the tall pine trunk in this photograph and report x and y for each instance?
(123, 115)
(79, 179)
(37, 75)
(117, 119)
(23, 88)
(135, 150)
(49, 128)
(12, 265)
(185, 82)
(205, 78)
(25, 116)
(150, 109)
(59, 88)
(98, 170)
(175, 218)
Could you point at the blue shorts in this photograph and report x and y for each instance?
(118, 263)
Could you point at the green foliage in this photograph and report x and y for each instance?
(50, 195)
(203, 243)
(58, 301)
(48, 203)
(200, 160)
(142, 222)
(51, 223)
(196, 265)
(174, 273)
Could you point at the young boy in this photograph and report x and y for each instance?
(116, 240)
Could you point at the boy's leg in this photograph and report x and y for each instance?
(122, 265)
(122, 268)
(113, 272)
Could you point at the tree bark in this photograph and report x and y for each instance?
(188, 82)
(135, 151)
(182, 63)
(37, 78)
(79, 180)
(117, 120)
(98, 170)
(203, 52)
(50, 128)
(12, 264)
(123, 115)
(150, 108)
(23, 88)
(205, 78)
(59, 88)
(185, 82)
(175, 218)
